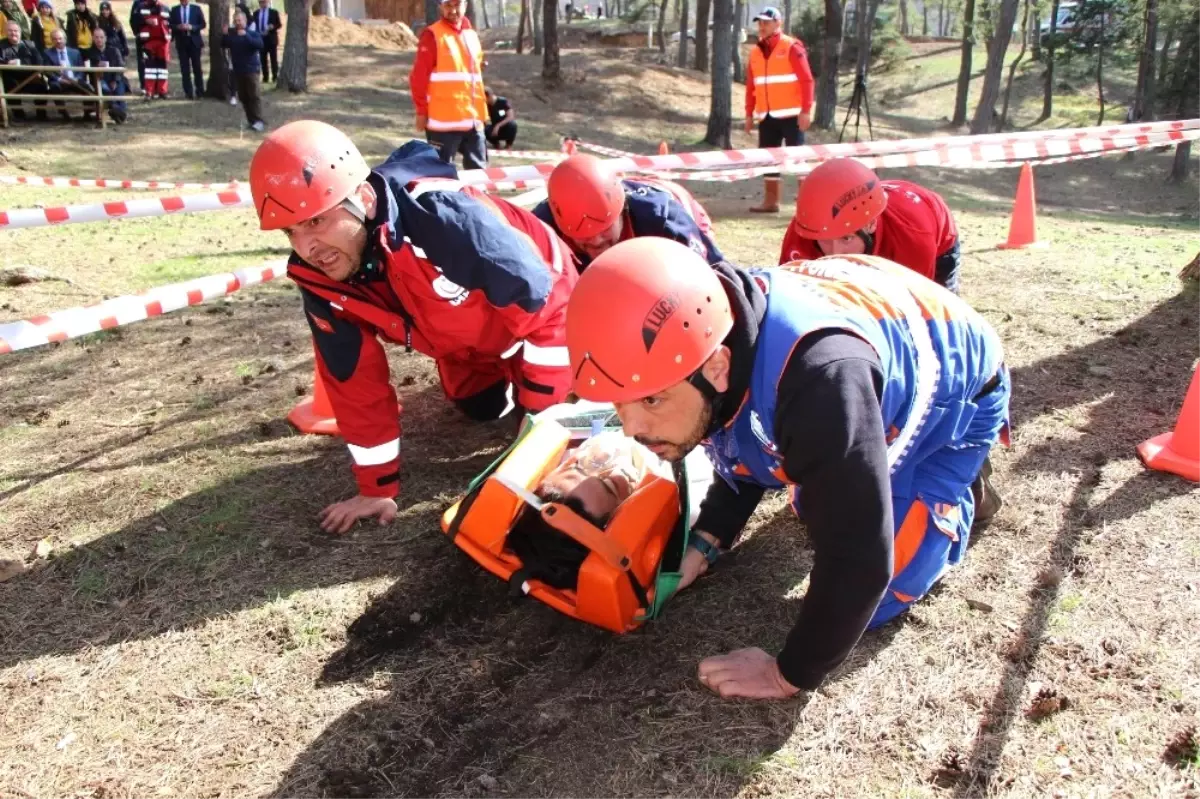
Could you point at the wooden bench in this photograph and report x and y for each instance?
(98, 99)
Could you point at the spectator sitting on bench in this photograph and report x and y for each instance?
(15, 51)
(63, 82)
(501, 131)
(43, 26)
(104, 53)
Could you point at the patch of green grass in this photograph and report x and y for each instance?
(90, 583)
(100, 337)
(238, 685)
(245, 370)
(1070, 602)
(741, 767)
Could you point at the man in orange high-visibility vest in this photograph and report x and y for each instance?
(779, 95)
(447, 87)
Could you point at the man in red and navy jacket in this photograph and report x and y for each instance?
(407, 254)
(845, 209)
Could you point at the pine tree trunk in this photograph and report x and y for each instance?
(521, 21)
(293, 70)
(1143, 102)
(681, 58)
(1163, 56)
(985, 112)
(486, 22)
(703, 9)
(1012, 69)
(1100, 70)
(720, 112)
(925, 18)
(942, 18)
(551, 68)
(787, 16)
(1035, 33)
(964, 68)
(1179, 165)
(827, 87)
(662, 21)
(739, 35)
(903, 17)
(866, 27)
(471, 13)
(538, 13)
(218, 66)
(500, 19)
(1048, 88)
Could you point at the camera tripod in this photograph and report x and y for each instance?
(858, 102)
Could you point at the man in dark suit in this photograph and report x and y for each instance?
(65, 81)
(187, 21)
(266, 21)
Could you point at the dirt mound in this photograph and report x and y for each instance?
(370, 33)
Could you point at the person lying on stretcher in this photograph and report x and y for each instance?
(592, 479)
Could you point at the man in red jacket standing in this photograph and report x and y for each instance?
(447, 87)
(405, 253)
(845, 209)
(779, 95)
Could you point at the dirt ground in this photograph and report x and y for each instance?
(182, 628)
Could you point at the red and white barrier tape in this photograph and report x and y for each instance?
(102, 183)
(609, 151)
(532, 155)
(74, 322)
(962, 150)
(962, 158)
(130, 209)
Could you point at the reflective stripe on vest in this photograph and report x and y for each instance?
(455, 91)
(776, 87)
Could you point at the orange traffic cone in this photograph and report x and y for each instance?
(569, 146)
(314, 415)
(1022, 232)
(1178, 452)
(663, 149)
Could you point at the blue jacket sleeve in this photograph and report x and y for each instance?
(654, 213)
(542, 212)
(477, 249)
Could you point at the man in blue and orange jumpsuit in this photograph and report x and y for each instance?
(592, 208)
(873, 394)
(447, 87)
(779, 95)
(405, 253)
(845, 209)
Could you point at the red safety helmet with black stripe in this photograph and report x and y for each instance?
(301, 170)
(838, 198)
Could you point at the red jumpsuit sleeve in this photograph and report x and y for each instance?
(797, 248)
(750, 87)
(418, 79)
(545, 371)
(354, 369)
(798, 57)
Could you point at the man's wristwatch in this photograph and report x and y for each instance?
(710, 551)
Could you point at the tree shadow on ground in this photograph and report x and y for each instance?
(488, 693)
(1136, 395)
(239, 543)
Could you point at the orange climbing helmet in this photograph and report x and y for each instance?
(645, 315)
(586, 197)
(303, 169)
(838, 198)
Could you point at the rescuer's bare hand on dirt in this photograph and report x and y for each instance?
(746, 673)
(339, 517)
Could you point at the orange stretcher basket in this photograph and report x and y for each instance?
(622, 581)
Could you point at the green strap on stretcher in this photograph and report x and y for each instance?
(665, 583)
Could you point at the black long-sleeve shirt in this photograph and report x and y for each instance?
(829, 430)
